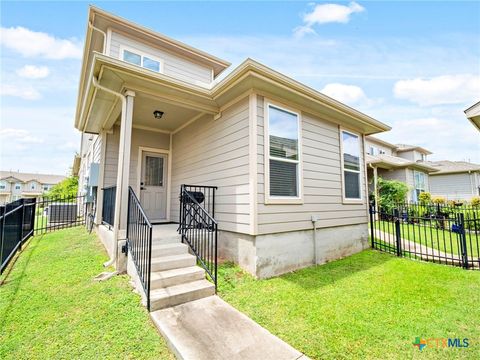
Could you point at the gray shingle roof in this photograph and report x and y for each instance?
(25, 177)
(447, 167)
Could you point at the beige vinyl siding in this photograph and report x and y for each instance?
(322, 181)
(175, 66)
(460, 186)
(399, 174)
(144, 138)
(216, 152)
(387, 150)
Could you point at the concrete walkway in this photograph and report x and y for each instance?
(209, 328)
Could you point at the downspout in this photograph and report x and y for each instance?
(90, 25)
(314, 221)
(116, 226)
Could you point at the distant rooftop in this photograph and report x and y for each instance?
(406, 147)
(26, 177)
(448, 167)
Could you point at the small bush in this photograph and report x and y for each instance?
(438, 200)
(391, 192)
(425, 198)
(475, 201)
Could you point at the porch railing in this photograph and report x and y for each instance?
(198, 227)
(139, 241)
(108, 208)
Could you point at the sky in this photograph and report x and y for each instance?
(412, 65)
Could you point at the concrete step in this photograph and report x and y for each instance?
(163, 240)
(168, 249)
(173, 262)
(180, 294)
(162, 279)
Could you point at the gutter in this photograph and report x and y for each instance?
(116, 225)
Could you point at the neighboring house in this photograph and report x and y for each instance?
(473, 114)
(17, 185)
(153, 116)
(401, 162)
(455, 180)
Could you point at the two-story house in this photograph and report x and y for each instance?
(17, 185)
(275, 170)
(401, 162)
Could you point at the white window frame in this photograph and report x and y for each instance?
(269, 199)
(346, 200)
(19, 186)
(142, 54)
(3, 185)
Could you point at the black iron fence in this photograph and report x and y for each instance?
(438, 233)
(59, 212)
(16, 227)
(198, 227)
(108, 208)
(139, 241)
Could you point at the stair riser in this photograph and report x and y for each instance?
(168, 252)
(166, 240)
(177, 280)
(174, 264)
(182, 298)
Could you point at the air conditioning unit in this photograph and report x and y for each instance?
(62, 213)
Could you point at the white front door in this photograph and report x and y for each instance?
(153, 185)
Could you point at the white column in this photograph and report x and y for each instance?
(123, 170)
(101, 177)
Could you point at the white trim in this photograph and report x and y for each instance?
(101, 177)
(361, 149)
(108, 47)
(253, 173)
(142, 149)
(149, 128)
(142, 55)
(266, 152)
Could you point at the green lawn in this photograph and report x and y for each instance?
(50, 308)
(443, 240)
(371, 305)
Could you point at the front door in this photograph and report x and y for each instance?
(153, 185)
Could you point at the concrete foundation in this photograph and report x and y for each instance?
(271, 255)
(106, 237)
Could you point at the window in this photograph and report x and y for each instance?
(32, 186)
(381, 151)
(3, 186)
(373, 150)
(420, 183)
(351, 166)
(18, 186)
(283, 153)
(46, 187)
(144, 60)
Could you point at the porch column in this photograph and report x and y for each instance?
(123, 170)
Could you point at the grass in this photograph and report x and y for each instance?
(443, 240)
(368, 306)
(50, 308)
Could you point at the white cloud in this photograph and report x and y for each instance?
(19, 135)
(348, 94)
(446, 89)
(33, 72)
(23, 92)
(327, 13)
(39, 44)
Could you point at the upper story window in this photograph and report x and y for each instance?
(3, 185)
(373, 150)
(46, 187)
(351, 165)
(284, 153)
(139, 58)
(380, 151)
(18, 186)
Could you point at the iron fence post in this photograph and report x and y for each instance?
(463, 240)
(21, 225)
(398, 234)
(372, 226)
(2, 226)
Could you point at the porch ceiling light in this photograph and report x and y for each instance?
(158, 114)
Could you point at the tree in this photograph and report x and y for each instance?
(65, 188)
(390, 193)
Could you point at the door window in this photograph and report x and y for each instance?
(153, 171)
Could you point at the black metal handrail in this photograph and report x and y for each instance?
(198, 227)
(108, 208)
(139, 241)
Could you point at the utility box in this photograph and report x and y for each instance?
(63, 213)
(93, 174)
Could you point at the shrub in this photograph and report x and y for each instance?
(425, 198)
(391, 192)
(438, 200)
(65, 188)
(475, 201)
